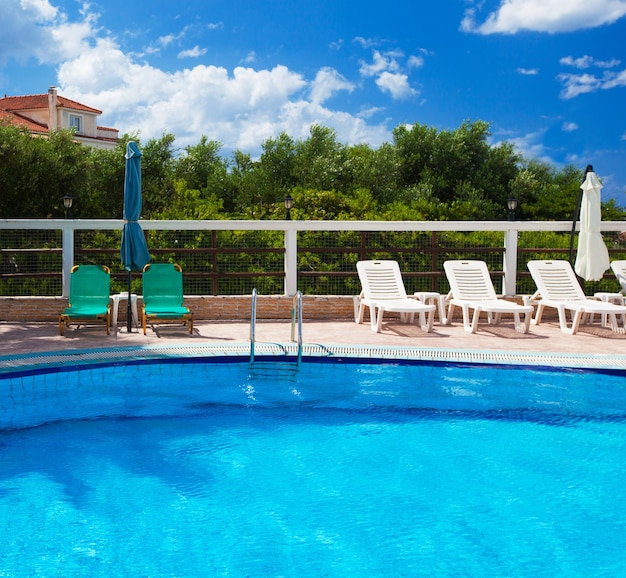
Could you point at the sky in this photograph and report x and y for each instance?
(548, 75)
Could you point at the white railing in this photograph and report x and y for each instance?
(291, 229)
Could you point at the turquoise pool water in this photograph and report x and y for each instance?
(195, 468)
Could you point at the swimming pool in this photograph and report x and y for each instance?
(335, 467)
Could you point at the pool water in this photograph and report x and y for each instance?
(342, 469)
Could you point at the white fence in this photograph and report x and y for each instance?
(291, 229)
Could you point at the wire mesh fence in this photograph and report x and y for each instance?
(214, 262)
(327, 260)
(234, 262)
(541, 245)
(30, 262)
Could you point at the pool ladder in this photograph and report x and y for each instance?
(252, 325)
(296, 314)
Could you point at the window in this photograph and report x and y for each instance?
(76, 122)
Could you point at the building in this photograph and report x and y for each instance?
(44, 113)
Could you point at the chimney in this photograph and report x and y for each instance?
(52, 108)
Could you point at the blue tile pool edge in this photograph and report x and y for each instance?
(85, 357)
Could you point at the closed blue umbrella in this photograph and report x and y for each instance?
(134, 249)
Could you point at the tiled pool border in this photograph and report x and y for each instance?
(53, 359)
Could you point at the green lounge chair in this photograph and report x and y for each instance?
(90, 289)
(163, 295)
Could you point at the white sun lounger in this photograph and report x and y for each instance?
(383, 290)
(558, 287)
(471, 288)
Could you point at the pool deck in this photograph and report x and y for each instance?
(35, 338)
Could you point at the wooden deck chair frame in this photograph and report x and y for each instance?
(558, 288)
(383, 290)
(471, 288)
(89, 299)
(166, 307)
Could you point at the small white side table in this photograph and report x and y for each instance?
(123, 296)
(616, 298)
(433, 298)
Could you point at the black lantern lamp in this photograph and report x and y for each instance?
(511, 204)
(67, 203)
(288, 207)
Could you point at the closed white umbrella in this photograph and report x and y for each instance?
(592, 257)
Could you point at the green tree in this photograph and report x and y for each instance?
(103, 197)
(157, 174)
(190, 204)
(424, 174)
(199, 163)
(275, 174)
(377, 170)
(545, 193)
(35, 173)
(246, 179)
(457, 165)
(321, 161)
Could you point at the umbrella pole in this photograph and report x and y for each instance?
(589, 169)
(129, 312)
(574, 221)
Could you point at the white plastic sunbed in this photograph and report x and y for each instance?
(383, 290)
(471, 288)
(558, 287)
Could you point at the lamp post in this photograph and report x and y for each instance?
(511, 203)
(67, 203)
(288, 207)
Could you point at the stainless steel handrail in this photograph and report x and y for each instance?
(296, 311)
(252, 325)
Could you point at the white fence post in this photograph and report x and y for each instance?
(291, 261)
(68, 258)
(509, 266)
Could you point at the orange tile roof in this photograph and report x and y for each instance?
(32, 101)
(18, 120)
(11, 107)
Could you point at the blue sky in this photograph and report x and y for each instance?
(549, 75)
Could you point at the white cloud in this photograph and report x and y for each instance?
(395, 84)
(382, 62)
(42, 9)
(370, 112)
(250, 57)
(415, 61)
(531, 146)
(576, 84)
(167, 39)
(171, 37)
(528, 71)
(615, 80)
(34, 29)
(194, 52)
(387, 69)
(588, 62)
(327, 82)
(240, 108)
(550, 16)
(569, 127)
(365, 42)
